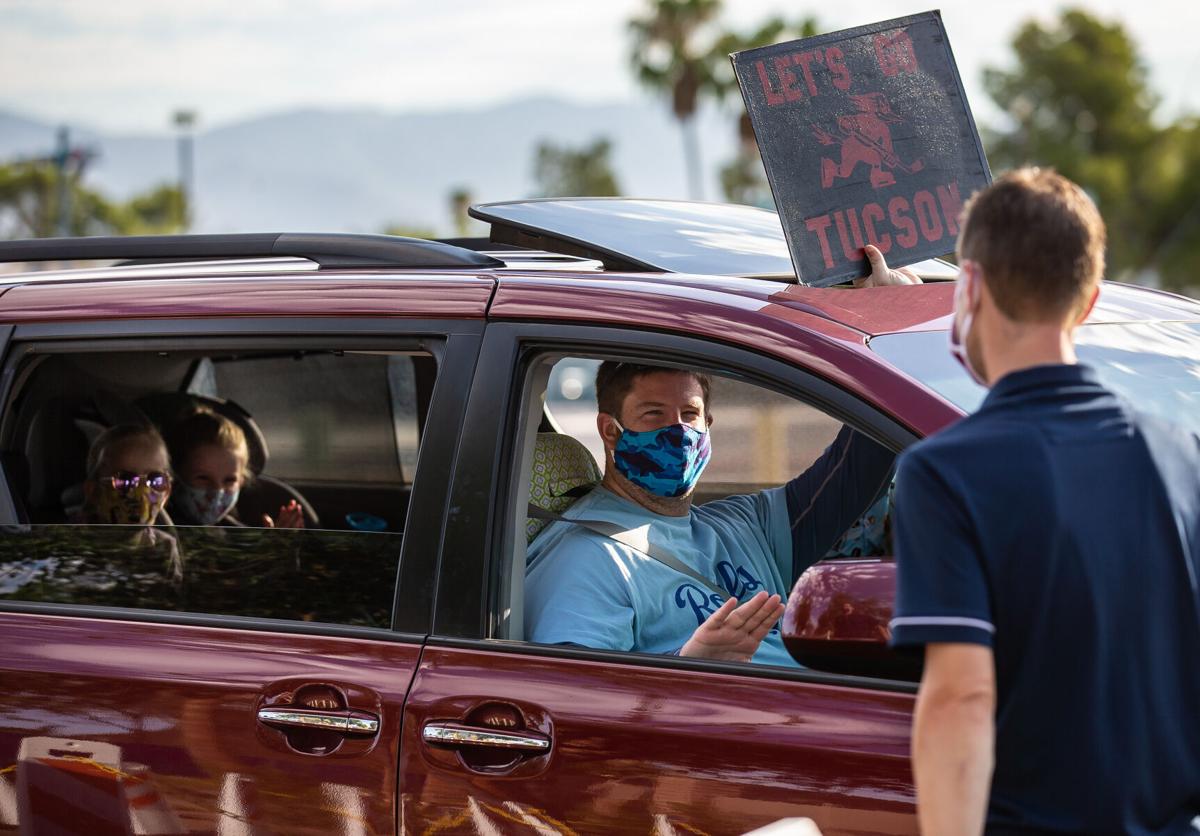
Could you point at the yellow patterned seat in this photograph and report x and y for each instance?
(563, 470)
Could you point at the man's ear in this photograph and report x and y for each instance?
(974, 273)
(606, 425)
(1087, 309)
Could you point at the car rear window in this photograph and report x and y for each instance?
(116, 459)
(326, 417)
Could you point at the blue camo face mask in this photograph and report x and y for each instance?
(666, 462)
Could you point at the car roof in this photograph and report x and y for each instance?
(584, 248)
(283, 286)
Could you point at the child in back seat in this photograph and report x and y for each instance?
(128, 483)
(212, 462)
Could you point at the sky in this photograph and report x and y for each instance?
(126, 66)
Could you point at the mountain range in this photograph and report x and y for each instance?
(361, 170)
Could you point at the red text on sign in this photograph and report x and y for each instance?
(797, 75)
(902, 222)
(895, 53)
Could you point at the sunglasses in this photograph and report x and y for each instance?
(124, 481)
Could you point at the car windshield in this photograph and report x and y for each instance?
(1155, 365)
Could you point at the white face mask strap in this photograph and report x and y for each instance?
(965, 296)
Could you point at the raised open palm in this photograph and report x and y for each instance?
(733, 633)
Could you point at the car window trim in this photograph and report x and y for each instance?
(454, 344)
(664, 661)
(245, 326)
(480, 499)
(8, 505)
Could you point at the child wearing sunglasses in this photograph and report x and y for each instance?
(128, 482)
(213, 465)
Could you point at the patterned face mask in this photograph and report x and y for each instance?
(666, 462)
(205, 506)
(136, 505)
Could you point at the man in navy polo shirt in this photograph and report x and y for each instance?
(1048, 548)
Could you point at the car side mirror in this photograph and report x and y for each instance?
(837, 620)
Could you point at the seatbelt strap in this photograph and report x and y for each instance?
(615, 532)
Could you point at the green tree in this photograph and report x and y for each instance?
(409, 231)
(31, 196)
(743, 179)
(570, 172)
(670, 57)
(1079, 100)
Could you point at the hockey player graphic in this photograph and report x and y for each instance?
(864, 137)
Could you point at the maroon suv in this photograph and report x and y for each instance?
(368, 673)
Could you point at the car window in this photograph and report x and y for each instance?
(123, 502)
(757, 530)
(314, 576)
(760, 438)
(325, 415)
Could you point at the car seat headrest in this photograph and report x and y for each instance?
(165, 408)
(563, 470)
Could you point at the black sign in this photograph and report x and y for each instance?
(867, 138)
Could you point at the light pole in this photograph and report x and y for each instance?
(185, 122)
(62, 156)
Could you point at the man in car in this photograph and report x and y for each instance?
(1048, 548)
(739, 555)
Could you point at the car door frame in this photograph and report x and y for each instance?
(454, 343)
(482, 496)
(675, 767)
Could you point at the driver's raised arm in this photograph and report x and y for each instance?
(823, 501)
(837, 489)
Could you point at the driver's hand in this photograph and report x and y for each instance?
(733, 633)
(881, 276)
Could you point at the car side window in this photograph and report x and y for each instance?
(786, 485)
(761, 438)
(269, 484)
(329, 415)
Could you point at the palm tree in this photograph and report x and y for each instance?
(742, 179)
(668, 58)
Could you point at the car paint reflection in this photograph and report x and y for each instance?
(717, 753)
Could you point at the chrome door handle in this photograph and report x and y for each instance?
(344, 721)
(456, 734)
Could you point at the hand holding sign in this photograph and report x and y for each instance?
(881, 274)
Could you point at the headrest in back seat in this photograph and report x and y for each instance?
(165, 408)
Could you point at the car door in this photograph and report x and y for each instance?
(507, 736)
(269, 698)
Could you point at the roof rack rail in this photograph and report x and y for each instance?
(328, 250)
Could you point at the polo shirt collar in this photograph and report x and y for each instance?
(1056, 376)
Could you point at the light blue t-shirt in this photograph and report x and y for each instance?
(587, 589)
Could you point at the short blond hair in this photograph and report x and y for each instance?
(1040, 242)
(202, 428)
(119, 438)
